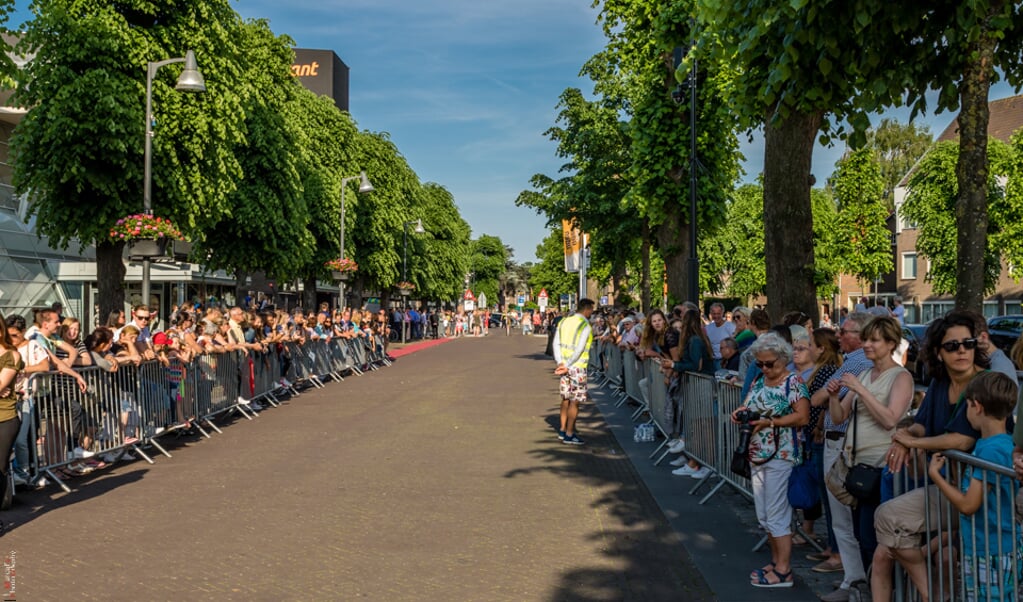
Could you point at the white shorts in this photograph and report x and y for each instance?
(771, 496)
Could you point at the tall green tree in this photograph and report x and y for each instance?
(801, 69)
(638, 64)
(897, 147)
(594, 140)
(267, 225)
(488, 258)
(970, 46)
(376, 234)
(440, 257)
(78, 152)
(862, 241)
(327, 139)
(933, 204)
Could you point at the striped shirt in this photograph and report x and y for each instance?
(854, 363)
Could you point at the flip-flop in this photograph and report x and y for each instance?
(784, 580)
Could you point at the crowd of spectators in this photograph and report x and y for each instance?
(47, 341)
(825, 395)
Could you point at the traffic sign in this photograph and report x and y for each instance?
(522, 299)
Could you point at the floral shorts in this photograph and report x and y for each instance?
(573, 385)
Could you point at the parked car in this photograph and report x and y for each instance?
(915, 363)
(1005, 330)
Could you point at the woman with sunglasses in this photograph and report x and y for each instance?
(780, 400)
(877, 399)
(953, 359)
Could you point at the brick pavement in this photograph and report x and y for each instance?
(436, 479)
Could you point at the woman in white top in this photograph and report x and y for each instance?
(877, 399)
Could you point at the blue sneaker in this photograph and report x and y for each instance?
(561, 435)
(573, 440)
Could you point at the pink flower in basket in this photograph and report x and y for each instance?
(342, 265)
(143, 226)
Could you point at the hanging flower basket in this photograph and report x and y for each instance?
(342, 269)
(144, 226)
(405, 288)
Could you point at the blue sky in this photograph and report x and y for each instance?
(466, 89)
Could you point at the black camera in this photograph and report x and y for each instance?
(746, 416)
(746, 419)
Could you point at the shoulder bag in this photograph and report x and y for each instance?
(864, 480)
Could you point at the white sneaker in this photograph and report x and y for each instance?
(242, 401)
(685, 471)
(702, 473)
(286, 383)
(80, 453)
(679, 461)
(677, 446)
(109, 458)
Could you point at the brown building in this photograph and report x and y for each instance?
(911, 269)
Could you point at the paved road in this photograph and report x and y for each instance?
(436, 479)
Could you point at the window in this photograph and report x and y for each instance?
(909, 266)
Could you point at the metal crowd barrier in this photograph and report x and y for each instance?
(944, 543)
(129, 409)
(706, 404)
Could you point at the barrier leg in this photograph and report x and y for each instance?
(57, 480)
(160, 447)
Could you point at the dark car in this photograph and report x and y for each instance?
(494, 321)
(915, 363)
(1005, 330)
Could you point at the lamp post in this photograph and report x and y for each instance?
(364, 186)
(404, 264)
(190, 80)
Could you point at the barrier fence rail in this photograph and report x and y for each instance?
(128, 409)
(960, 553)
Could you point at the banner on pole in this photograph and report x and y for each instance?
(573, 244)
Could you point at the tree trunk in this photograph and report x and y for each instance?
(644, 282)
(240, 289)
(673, 247)
(110, 278)
(972, 176)
(788, 218)
(309, 293)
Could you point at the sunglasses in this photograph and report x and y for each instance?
(953, 346)
(143, 318)
(766, 365)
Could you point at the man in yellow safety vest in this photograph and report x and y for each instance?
(572, 343)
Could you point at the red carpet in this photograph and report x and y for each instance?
(414, 347)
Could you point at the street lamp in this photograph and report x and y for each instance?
(190, 80)
(364, 186)
(404, 263)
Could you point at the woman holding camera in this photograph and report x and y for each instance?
(776, 407)
(876, 400)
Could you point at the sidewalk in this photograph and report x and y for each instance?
(719, 535)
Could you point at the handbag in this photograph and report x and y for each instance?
(834, 480)
(804, 486)
(863, 481)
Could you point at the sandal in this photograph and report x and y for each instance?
(784, 580)
(759, 573)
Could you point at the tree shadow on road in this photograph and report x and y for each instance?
(650, 561)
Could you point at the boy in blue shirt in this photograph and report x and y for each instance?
(985, 500)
